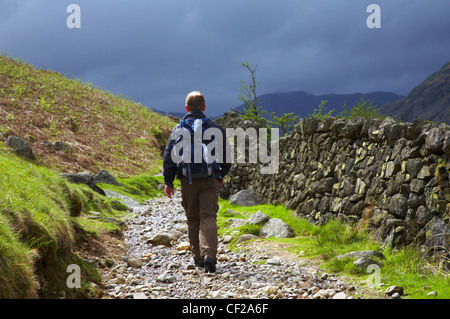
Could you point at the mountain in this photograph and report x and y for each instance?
(429, 101)
(303, 103)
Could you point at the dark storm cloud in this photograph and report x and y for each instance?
(157, 51)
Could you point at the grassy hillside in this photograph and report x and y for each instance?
(46, 222)
(99, 129)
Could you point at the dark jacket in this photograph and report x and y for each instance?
(171, 170)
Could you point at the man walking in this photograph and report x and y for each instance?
(200, 179)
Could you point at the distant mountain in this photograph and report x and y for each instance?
(177, 115)
(303, 103)
(428, 101)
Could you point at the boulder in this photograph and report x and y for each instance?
(276, 228)
(20, 146)
(362, 253)
(258, 218)
(83, 178)
(247, 197)
(365, 262)
(104, 177)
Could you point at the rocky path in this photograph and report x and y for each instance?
(159, 265)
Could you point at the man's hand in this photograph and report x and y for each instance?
(169, 191)
(222, 181)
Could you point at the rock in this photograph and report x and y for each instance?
(340, 295)
(166, 278)
(396, 295)
(162, 238)
(95, 290)
(394, 289)
(247, 197)
(273, 261)
(104, 177)
(134, 263)
(227, 239)
(62, 146)
(423, 215)
(398, 205)
(185, 245)
(435, 140)
(83, 178)
(270, 290)
(365, 262)
(257, 218)
(236, 222)
(20, 146)
(362, 253)
(324, 294)
(276, 228)
(246, 237)
(139, 295)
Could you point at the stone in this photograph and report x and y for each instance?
(139, 295)
(270, 290)
(398, 205)
(185, 245)
(365, 262)
(20, 146)
(435, 140)
(340, 295)
(257, 218)
(162, 238)
(362, 253)
(134, 263)
(423, 215)
(276, 228)
(394, 289)
(227, 239)
(247, 197)
(104, 177)
(246, 237)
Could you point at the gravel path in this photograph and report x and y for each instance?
(157, 271)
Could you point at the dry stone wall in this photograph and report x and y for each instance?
(392, 176)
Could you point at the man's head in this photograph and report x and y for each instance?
(195, 101)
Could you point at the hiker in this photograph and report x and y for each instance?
(200, 180)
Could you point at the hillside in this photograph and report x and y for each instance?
(47, 223)
(428, 101)
(96, 129)
(303, 103)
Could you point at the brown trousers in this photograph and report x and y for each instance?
(200, 201)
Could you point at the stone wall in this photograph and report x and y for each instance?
(392, 176)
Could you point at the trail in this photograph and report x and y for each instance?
(256, 272)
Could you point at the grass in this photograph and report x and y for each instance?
(404, 267)
(40, 213)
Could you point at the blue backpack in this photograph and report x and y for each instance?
(198, 169)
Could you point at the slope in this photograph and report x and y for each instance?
(430, 100)
(95, 129)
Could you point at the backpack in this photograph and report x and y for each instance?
(197, 169)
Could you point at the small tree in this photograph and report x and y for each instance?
(284, 123)
(363, 108)
(319, 112)
(252, 106)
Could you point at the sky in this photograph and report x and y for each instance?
(157, 51)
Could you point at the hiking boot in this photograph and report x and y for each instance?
(210, 266)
